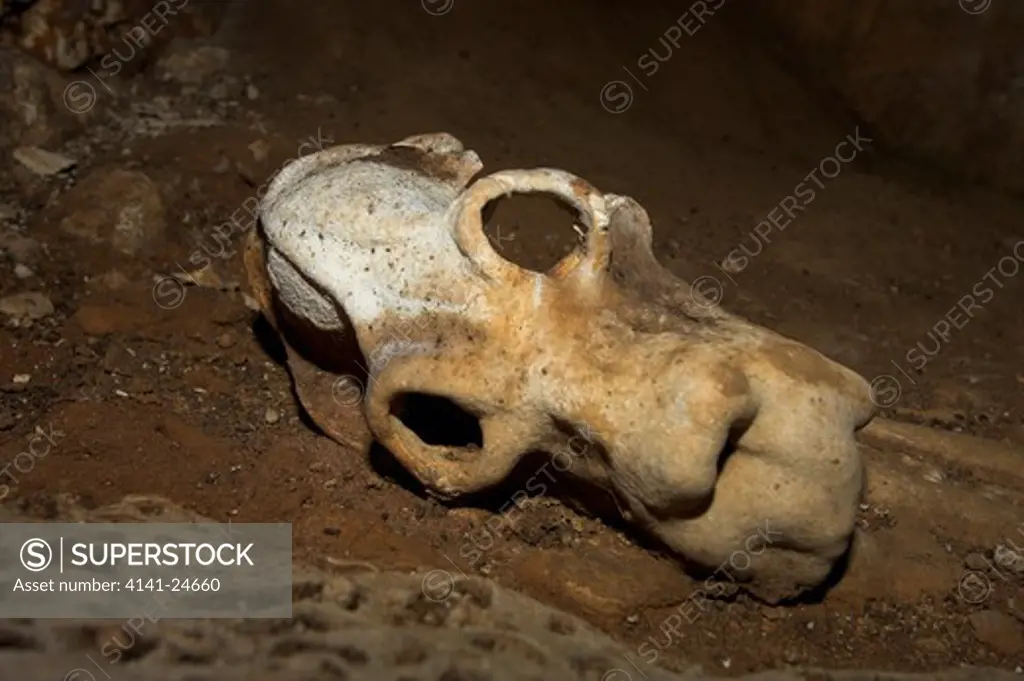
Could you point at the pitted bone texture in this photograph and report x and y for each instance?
(730, 444)
(376, 626)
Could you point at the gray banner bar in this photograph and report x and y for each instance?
(161, 570)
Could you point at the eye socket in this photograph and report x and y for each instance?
(437, 420)
(534, 231)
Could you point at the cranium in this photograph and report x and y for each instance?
(730, 444)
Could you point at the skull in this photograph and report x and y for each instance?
(731, 445)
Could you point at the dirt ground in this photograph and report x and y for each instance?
(154, 387)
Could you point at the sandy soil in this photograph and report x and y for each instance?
(905, 275)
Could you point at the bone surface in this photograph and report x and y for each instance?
(729, 444)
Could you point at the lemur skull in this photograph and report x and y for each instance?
(714, 435)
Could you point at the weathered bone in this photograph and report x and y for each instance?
(727, 442)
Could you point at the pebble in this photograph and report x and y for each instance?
(30, 305)
(976, 561)
(271, 416)
(250, 302)
(252, 92)
(1009, 558)
(43, 162)
(998, 631)
(1011, 603)
(20, 248)
(225, 340)
(112, 280)
(116, 207)
(21, 379)
(7, 418)
(192, 63)
(22, 272)
(219, 91)
(931, 645)
(260, 150)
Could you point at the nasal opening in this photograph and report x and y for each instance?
(437, 420)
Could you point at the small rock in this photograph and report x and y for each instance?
(260, 150)
(271, 416)
(931, 645)
(22, 272)
(190, 63)
(21, 379)
(20, 248)
(113, 280)
(62, 35)
(122, 208)
(999, 631)
(252, 92)
(219, 91)
(117, 360)
(1009, 559)
(1011, 603)
(976, 561)
(250, 302)
(30, 101)
(7, 418)
(225, 340)
(43, 162)
(31, 305)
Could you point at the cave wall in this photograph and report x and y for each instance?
(939, 79)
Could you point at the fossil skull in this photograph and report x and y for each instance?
(725, 441)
